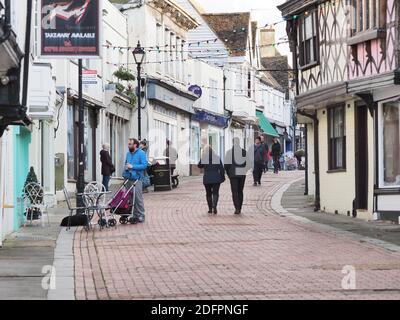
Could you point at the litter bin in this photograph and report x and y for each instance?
(162, 176)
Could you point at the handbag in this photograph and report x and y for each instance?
(146, 181)
(112, 169)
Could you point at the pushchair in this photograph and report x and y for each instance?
(123, 203)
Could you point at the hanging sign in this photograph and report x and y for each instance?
(70, 29)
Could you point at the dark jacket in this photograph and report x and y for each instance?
(259, 154)
(107, 167)
(276, 150)
(214, 172)
(236, 168)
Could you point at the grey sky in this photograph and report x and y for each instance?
(264, 11)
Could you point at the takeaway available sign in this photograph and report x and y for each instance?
(70, 28)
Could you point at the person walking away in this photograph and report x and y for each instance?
(259, 161)
(266, 151)
(276, 153)
(136, 164)
(214, 175)
(172, 155)
(107, 167)
(236, 169)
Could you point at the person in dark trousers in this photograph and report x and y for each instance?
(266, 150)
(276, 152)
(214, 175)
(107, 167)
(259, 161)
(236, 169)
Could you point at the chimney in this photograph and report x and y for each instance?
(267, 39)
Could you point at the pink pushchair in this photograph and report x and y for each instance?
(123, 204)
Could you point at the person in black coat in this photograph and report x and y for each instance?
(236, 166)
(214, 175)
(276, 153)
(107, 167)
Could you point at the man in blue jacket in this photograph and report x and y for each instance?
(136, 164)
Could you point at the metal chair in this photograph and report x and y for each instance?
(94, 197)
(73, 209)
(34, 202)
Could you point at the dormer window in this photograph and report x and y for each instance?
(308, 35)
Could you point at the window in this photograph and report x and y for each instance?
(337, 138)
(366, 15)
(239, 84)
(166, 51)
(390, 154)
(213, 95)
(308, 45)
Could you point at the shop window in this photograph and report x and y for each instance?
(337, 138)
(391, 144)
(71, 143)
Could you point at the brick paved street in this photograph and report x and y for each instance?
(181, 252)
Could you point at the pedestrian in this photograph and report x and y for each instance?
(136, 165)
(107, 167)
(259, 161)
(172, 156)
(266, 151)
(214, 175)
(145, 149)
(236, 169)
(276, 152)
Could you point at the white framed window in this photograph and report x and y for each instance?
(213, 95)
(239, 83)
(166, 51)
(389, 144)
(366, 14)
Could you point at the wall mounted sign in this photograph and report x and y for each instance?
(70, 29)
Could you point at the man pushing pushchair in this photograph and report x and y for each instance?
(135, 167)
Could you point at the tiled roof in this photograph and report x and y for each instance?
(232, 29)
(278, 63)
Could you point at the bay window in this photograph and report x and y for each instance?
(308, 38)
(390, 144)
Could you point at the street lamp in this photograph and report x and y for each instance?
(139, 55)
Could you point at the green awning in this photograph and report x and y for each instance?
(266, 126)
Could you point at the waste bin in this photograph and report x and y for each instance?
(162, 176)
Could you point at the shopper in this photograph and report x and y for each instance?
(236, 169)
(214, 175)
(276, 152)
(259, 161)
(136, 165)
(107, 167)
(172, 156)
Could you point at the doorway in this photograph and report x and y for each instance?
(361, 156)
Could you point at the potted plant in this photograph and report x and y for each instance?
(33, 213)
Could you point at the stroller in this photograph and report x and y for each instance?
(122, 204)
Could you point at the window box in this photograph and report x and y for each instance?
(366, 36)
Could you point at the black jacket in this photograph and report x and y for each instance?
(276, 150)
(260, 154)
(214, 172)
(107, 167)
(236, 168)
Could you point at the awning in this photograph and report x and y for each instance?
(266, 126)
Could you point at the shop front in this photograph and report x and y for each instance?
(168, 119)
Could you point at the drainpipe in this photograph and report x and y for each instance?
(27, 54)
(314, 117)
(306, 151)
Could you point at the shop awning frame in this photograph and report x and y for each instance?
(266, 126)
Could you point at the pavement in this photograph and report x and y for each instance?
(277, 249)
(181, 252)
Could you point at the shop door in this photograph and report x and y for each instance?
(361, 157)
(22, 139)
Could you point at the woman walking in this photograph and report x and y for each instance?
(214, 175)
